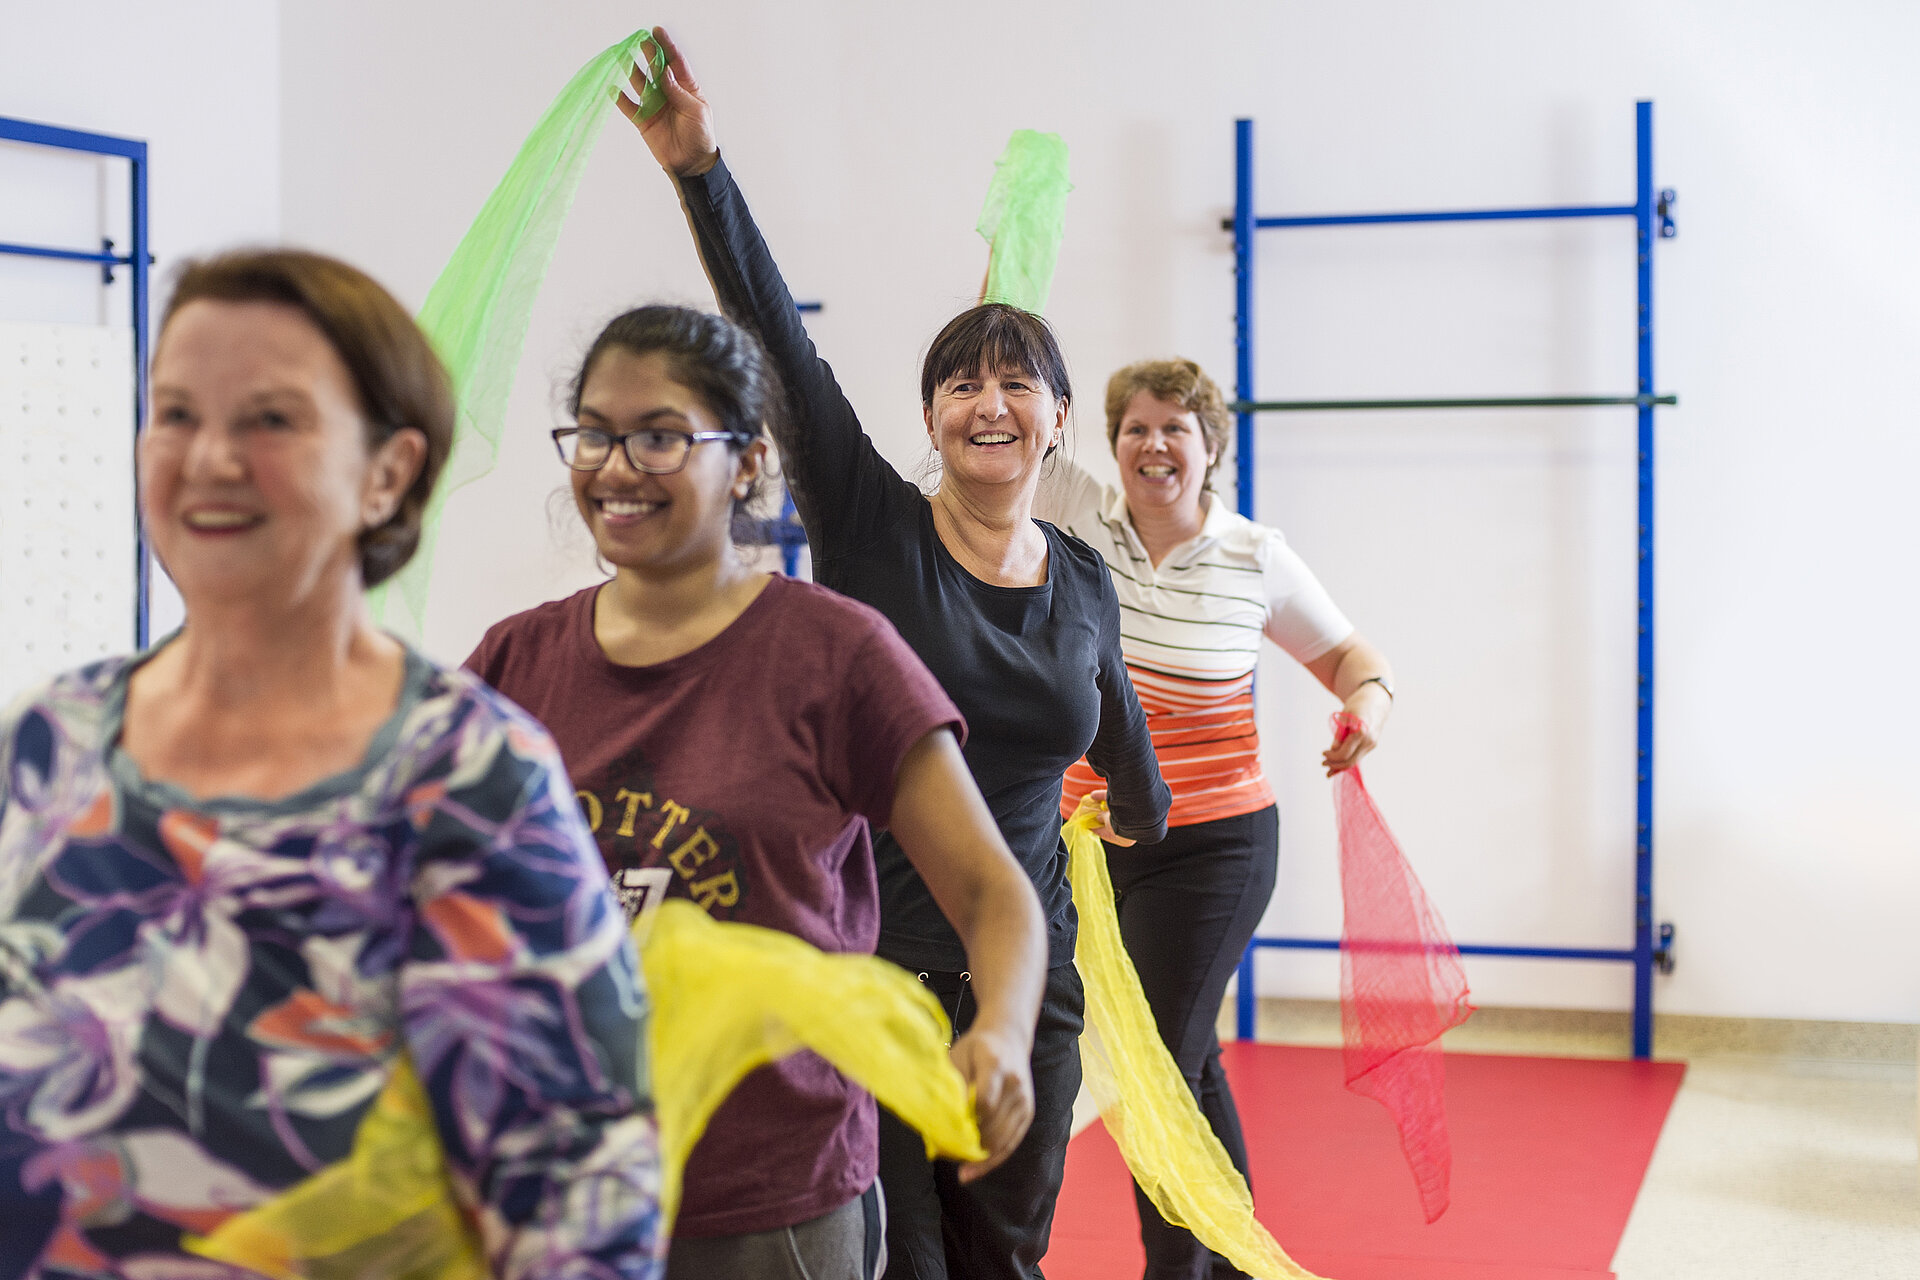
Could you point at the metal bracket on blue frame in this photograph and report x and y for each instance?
(1651, 211)
(784, 531)
(138, 258)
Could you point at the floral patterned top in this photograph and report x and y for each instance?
(201, 1000)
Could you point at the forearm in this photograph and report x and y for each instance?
(746, 281)
(525, 1026)
(533, 1128)
(949, 835)
(1361, 664)
(600, 1211)
(1138, 801)
(1358, 675)
(1006, 941)
(832, 469)
(1122, 752)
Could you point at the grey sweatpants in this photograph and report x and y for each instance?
(848, 1243)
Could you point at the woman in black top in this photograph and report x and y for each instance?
(1017, 620)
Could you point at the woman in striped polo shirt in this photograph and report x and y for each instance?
(1198, 586)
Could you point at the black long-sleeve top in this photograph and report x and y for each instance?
(1036, 671)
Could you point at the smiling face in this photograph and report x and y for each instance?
(646, 522)
(994, 429)
(255, 476)
(1163, 454)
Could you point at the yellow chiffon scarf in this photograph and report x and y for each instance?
(726, 998)
(1143, 1099)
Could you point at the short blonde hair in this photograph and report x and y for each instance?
(1180, 382)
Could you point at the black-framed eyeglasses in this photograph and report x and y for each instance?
(658, 451)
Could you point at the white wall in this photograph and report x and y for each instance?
(1491, 555)
(200, 84)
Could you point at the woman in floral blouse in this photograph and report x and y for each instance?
(259, 880)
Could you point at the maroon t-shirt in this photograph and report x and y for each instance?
(750, 770)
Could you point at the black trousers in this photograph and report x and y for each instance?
(995, 1228)
(1188, 907)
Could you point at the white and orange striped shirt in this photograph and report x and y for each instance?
(1190, 630)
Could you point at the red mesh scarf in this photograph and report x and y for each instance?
(1401, 984)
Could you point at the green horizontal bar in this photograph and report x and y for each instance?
(1490, 402)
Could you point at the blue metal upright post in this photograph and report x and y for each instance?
(789, 550)
(1643, 218)
(1243, 1013)
(134, 151)
(141, 266)
(1652, 946)
(1243, 220)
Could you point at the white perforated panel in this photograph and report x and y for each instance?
(67, 584)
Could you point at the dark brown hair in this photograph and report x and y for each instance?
(991, 337)
(711, 356)
(400, 380)
(1180, 382)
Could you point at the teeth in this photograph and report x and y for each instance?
(1157, 473)
(218, 519)
(622, 507)
(994, 437)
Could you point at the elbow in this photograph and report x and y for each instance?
(999, 893)
(1014, 898)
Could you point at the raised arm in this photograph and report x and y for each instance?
(841, 485)
(523, 1010)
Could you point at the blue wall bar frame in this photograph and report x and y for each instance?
(1652, 948)
(784, 530)
(138, 259)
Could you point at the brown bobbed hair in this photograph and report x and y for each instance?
(1180, 382)
(995, 336)
(400, 381)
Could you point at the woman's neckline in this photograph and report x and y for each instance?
(946, 552)
(1199, 530)
(699, 654)
(416, 673)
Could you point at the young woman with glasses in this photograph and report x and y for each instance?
(1019, 622)
(734, 737)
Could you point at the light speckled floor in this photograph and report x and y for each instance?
(1790, 1153)
(1801, 1169)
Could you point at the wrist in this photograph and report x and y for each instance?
(995, 1024)
(1381, 683)
(701, 166)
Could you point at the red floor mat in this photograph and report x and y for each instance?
(1548, 1154)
